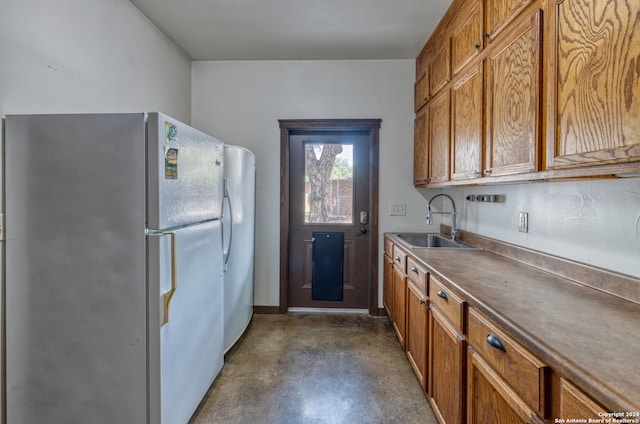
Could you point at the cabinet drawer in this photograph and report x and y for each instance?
(417, 274)
(399, 259)
(525, 373)
(388, 247)
(448, 303)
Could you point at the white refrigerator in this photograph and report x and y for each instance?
(239, 228)
(114, 285)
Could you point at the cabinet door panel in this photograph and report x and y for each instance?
(575, 404)
(501, 12)
(440, 69)
(491, 400)
(421, 149)
(399, 305)
(439, 137)
(466, 41)
(467, 125)
(513, 101)
(446, 390)
(417, 332)
(387, 286)
(421, 92)
(598, 83)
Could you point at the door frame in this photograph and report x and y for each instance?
(372, 127)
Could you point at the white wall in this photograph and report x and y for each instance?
(595, 222)
(241, 102)
(88, 56)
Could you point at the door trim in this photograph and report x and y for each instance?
(372, 127)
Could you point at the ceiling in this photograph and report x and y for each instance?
(296, 29)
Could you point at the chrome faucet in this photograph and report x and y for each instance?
(453, 214)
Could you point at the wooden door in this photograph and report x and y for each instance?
(595, 83)
(446, 370)
(439, 137)
(466, 137)
(513, 101)
(329, 192)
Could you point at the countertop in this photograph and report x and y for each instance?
(589, 336)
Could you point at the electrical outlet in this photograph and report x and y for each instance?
(523, 222)
(397, 209)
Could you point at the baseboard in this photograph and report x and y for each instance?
(266, 310)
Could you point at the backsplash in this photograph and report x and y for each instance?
(596, 222)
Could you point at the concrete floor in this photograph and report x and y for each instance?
(316, 368)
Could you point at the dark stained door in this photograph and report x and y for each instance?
(329, 177)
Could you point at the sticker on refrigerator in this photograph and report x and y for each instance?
(171, 163)
(170, 131)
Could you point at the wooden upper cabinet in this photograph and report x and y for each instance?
(440, 66)
(499, 13)
(421, 149)
(513, 70)
(596, 85)
(466, 41)
(439, 137)
(466, 137)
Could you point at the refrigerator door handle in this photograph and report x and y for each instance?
(166, 297)
(227, 197)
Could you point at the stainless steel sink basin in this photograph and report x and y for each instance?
(430, 241)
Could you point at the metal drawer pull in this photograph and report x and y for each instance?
(398, 258)
(442, 295)
(494, 341)
(414, 269)
(423, 301)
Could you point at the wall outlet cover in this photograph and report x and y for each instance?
(523, 222)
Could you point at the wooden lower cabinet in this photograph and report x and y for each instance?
(446, 369)
(416, 343)
(490, 399)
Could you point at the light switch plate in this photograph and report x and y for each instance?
(523, 222)
(397, 209)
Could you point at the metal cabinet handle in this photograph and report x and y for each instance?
(494, 341)
(398, 258)
(442, 295)
(414, 269)
(423, 301)
(477, 46)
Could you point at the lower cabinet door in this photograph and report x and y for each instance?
(446, 370)
(399, 305)
(416, 344)
(490, 400)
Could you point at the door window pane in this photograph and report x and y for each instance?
(328, 183)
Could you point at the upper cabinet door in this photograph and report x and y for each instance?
(513, 100)
(466, 41)
(597, 83)
(421, 149)
(440, 68)
(439, 137)
(466, 117)
(499, 13)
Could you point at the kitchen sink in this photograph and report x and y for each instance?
(430, 241)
